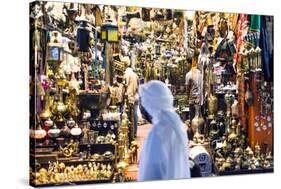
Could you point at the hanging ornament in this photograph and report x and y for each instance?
(249, 97)
(76, 131)
(54, 132)
(48, 122)
(38, 133)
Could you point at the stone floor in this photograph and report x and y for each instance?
(141, 136)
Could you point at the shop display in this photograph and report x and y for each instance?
(87, 62)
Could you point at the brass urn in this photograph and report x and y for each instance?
(59, 108)
(212, 106)
(198, 121)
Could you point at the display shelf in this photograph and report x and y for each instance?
(242, 171)
(74, 183)
(79, 162)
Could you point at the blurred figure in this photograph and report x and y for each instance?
(194, 89)
(165, 151)
(132, 83)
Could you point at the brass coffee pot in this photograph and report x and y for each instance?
(71, 102)
(59, 108)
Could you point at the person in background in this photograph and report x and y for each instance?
(165, 151)
(131, 79)
(120, 92)
(194, 89)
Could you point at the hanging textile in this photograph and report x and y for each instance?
(267, 49)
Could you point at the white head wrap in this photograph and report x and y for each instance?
(157, 100)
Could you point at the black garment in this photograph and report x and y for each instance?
(194, 169)
(267, 50)
(144, 113)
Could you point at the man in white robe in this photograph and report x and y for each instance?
(165, 152)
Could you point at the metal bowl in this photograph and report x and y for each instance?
(94, 101)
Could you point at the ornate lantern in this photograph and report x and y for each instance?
(109, 33)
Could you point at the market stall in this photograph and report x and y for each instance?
(87, 61)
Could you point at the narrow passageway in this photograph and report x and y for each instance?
(141, 136)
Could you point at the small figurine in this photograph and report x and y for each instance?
(226, 165)
(198, 138)
(134, 152)
(108, 171)
(214, 130)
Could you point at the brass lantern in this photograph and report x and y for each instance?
(54, 50)
(109, 33)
